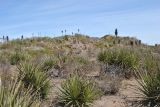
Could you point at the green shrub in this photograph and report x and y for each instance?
(123, 58)
(150, 63)
(102, 56)
(35, 77)
(15, 95)
(48, 64)
(77, 91)
(149, 90)
(16, 58)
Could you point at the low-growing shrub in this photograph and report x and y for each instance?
(4, 46)
(81, 60)
(150, 63)
(123, 58)
(16, 58)
(35, 77)
(4, 57)
(77, 91)
(48, 64)
(119, 62)
(109, 85)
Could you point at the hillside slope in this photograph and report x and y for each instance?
(61, 56)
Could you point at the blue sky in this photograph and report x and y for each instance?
(137, 18)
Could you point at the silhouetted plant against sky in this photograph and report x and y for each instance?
(116, 32)
(62, 32)
(7, 38)
(22, 37)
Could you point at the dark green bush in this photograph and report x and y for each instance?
(77, 91)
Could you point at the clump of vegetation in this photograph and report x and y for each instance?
(81, 60)
(5, 46)
(48, 64)
(150, 63)
(35, 77)
(123, 58)
(120, 62)
(149, 90)
(4, 57)
(110, 85)
(77, 91)
(16, 58)
(15, 95)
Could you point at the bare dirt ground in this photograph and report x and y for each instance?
(122, 99)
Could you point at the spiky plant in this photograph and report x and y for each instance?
(15, 95)
(149, 90)
(35, 77)
(77, 91)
